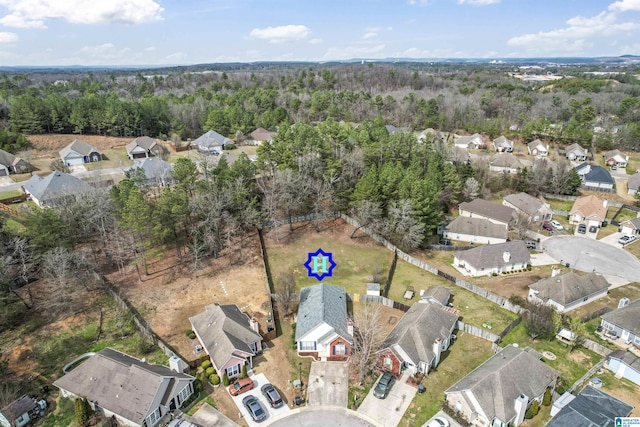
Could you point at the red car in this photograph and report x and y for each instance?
(547, 226)
(240, 386)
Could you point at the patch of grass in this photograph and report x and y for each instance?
(63, 415)
(115, 157)
(624, 215)
(562, 205)
(540, 419)
(8, 194)
(14, 227)
(466, 354)
(201, 400)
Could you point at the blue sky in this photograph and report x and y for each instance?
(157, 32)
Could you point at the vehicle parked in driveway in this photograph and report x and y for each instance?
(255, 408)
(438, 422)
(555, 224)
(240, 386)
(624, 240)
(271, 394)
(547, 226)
(384, 385)
(530, 244)
(593, 229)
(182, 423)
(582, 229)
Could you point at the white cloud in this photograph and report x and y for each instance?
(478, 2)
(34, 13)
(8, 37)
(106, 53)
(369, 35)
(176, 57)
(418, 2)
(575, 37)
(625, 5)
(315, 41)
(284, 33)
(150, 49)
(354, 52)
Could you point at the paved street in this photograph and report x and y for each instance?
(323, 417)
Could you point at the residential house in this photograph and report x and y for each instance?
(590, 408)
(391, 129)
(10, 164)
(493, 259)
(480, 208)
(537, 148)
(322, 328)
(473, 142)
(261, 135)
(588, 210)
(498, 392)
(142, 147)
(633, 184)
(631, 226)
(136, 393)
(79, 153)
(531, 208)
(57, 188)
(475, 230)
(575, 152)
(568, 291)
(624, 322)
(460, 155)
(21, 412)
(505, 163)
(503, 144)
(211, 142)
(616, 158)
(156, 172)
(595, 177)
(430, 134)
(228, 336)
(625, 365)
(416, 342)
(436, 294)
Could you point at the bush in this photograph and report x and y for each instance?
(533, 410)
(243, 373)
(518, 300)
(546, 399)
(210, 371)
(225, 379)
(214, 379)
(293, 336)
(206, 364)
(529, 267)
(229, 147)
(83, 411)
(190, 334)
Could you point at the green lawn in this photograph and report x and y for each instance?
(466, 354)
(114, 157)
(8, 194)
(563, 205)
(624, 215)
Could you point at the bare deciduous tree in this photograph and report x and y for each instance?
(286, 292)
(403, 229)
(471, 189)
(368, 214)
(367, 337)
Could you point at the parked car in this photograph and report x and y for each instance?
(384, 385)
(182, 423)
(255, 408)
(593, 229)
(240, 386)
(555, 224)
(438, 422)
(582, 229)
(271, 394)
(614, 167)
(530, 244)
(547, 226)
(624, 240)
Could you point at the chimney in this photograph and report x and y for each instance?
(350, 327)
(176, 364)
(506, 256)
(555, 271)
(437, 349)
(253, 324)
(520, 406)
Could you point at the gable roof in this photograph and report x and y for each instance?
(143, 142)
(222, 330)
(525, 202)
(8, 159)
(633, 183)
(154, 168)
(122, 384)
(489, 256)
(55, 185)
(500, 380)
(261, 134)
(634, 223)
(502, 141)
(79, 147)
(438, 293)
(575, 147)
(505, 160)
(599, 174)
(536, 144)
(627, 357)
(322, 303)
(617, 154)
(419, 328)
(490, 210)
(569, 287)
(591, 408)
(590, 207)
(477, 227)
(627, 317)
(211, 139)
(467, 139)
(15, 409)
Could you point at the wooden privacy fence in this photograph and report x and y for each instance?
(478, 332)
(378, 300)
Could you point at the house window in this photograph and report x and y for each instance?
(184, 394)
(340, 349)
(154, 417)
(387, 363)
(254, 347)
(307, 345)
(234, 370)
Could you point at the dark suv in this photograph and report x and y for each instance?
(384, 385)
(272, 395)
(582, 229)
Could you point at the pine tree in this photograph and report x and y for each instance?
(546, 399)
(243, 373)
(225, 379)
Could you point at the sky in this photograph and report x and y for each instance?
(181, 32)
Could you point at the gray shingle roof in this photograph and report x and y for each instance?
(322, 303)
(614, 153)
(536, 143)
(477, 227)
(628, 358)
(417, 330)
(222, 330)
(502, 141)
(627, 317)
(591, 408)
(79, 147)
(489, 256)
(122, 384)
(143, 142)
(8, 159)
(154, 168)
(525, 202)
(569, 287)
(438, 293)
(261, 134)
(576, 148)
(599, 174)
(500, 380)
(55, 185)
(490, 210)
(505, 160)
(212, 139)
(635, 223)
(15, 409)
(633, 182)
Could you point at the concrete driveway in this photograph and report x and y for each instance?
(209, 416)
(389, 411)
(452, 422)
(258, 381)
(589, 255)
(328, 384)
(612, 239)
